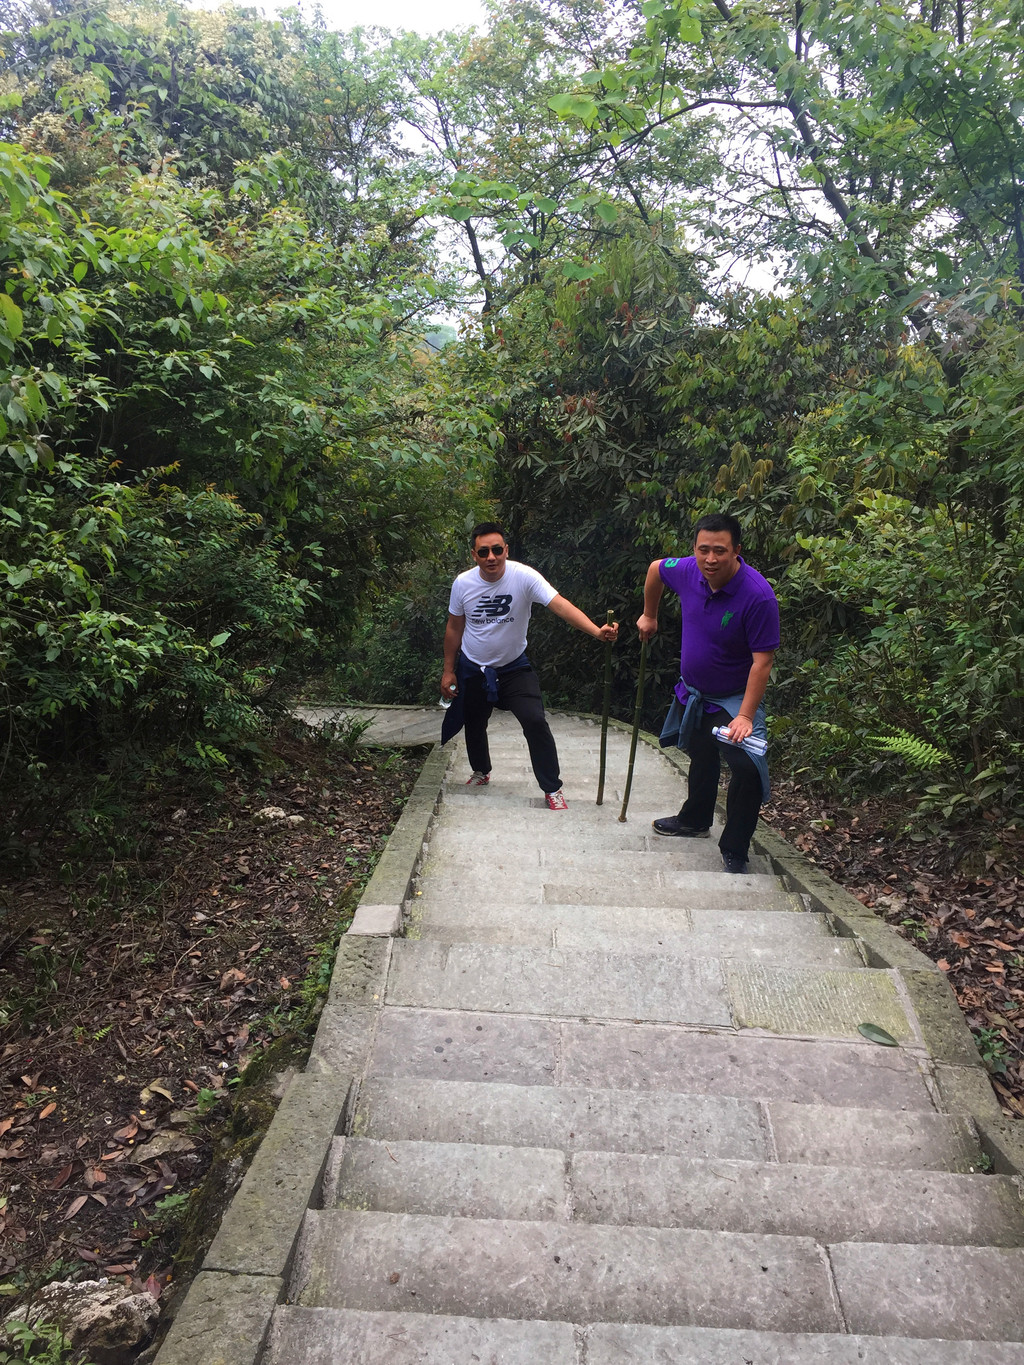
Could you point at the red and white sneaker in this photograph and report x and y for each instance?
(556, 800)
(478, 780)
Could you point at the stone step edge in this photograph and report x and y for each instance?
(603, 1342)
(330, 1187)
(991, 1197)
(324, 1217)
(768, 1111)
(406, 1234)
(782, 953)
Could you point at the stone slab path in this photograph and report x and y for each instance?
(616, 1108)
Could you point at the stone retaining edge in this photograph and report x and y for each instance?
(226, 1312)
(392, 878)
(961, 1077)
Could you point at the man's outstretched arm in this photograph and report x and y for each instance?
(562, 607)
(453, 633)
(653, 590)
(742, 724)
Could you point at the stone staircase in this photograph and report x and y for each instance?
(617, 1110)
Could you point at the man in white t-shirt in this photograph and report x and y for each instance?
(485, 663)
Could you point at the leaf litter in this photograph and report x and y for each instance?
(960, 900)
(140, 983)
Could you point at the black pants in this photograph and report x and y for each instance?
(743, 802)
(519, 693)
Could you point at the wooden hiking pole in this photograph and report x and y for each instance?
(605, 707)
(636, 730)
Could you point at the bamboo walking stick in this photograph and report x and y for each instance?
(636, 729)
(605, 708)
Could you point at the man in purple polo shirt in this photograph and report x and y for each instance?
(730, 634)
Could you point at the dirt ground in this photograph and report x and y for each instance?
(139, 974)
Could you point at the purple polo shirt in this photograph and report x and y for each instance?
(721, 630)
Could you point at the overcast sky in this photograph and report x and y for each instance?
(422, 16)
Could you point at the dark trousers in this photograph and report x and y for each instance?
(519, 693)
(743, 802)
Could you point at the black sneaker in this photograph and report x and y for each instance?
(672, 825)
(732, 862)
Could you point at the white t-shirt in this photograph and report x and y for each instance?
(497, 614)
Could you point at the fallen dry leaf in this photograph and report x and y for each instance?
(74, 1207)
(62, 1177)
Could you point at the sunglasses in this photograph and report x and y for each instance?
(485, 551)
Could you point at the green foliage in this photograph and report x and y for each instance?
(230, 461)
(395, 655)
(41, 1344)
(345, 734)
(119, 616)
(207, 1100)
(918, 754)
(173, 1207)
(210, 435)
(992, 1047)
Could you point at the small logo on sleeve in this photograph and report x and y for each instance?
(671, 563)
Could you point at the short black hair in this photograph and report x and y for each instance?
(486, 528)
(720, 521)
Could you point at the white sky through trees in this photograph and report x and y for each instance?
(421, 16)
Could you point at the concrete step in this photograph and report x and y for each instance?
(470, 1180)
(332, 1336)
(469, 976)
(840, 954)
(560, 853)
(463, 1045)
(493, 1268)
(960, 1293)
(755, 926)
(579, 774)
(596, 826)
(634, 1344)
(568, 1118)
(824, 1135)
(583, 812)
(828, 1203)
(816, 1002)
(660, 888)
(450, 835)
(530, 930)
(463, 1179)
(662, 1122)
(520, 795)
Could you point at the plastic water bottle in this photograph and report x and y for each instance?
(753, 745)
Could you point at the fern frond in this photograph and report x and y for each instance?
(918, 753)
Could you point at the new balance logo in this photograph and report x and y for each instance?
(488, 608)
